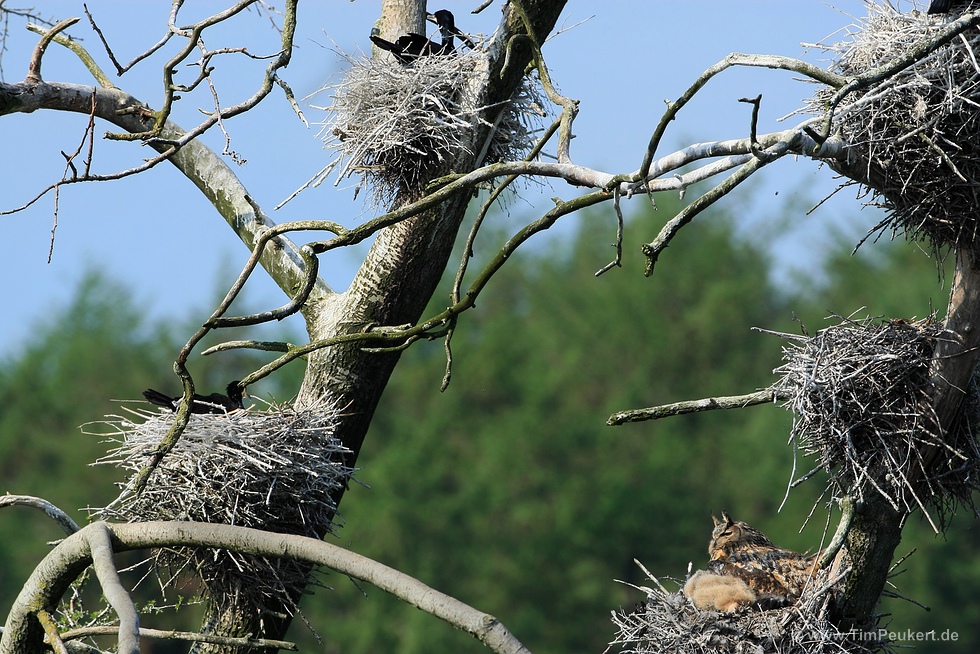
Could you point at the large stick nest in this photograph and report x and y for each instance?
(860, 395)
(915, 137)
(275, 470)
(668, 621)
(395, 125)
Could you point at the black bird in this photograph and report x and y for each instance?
(943, 6)
(447, 29)
(213, 403)
(409, 47)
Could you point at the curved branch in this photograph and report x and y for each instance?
(653, 250)
(34, 67)
(847, 506)
(64, 521)
(734, 59)
(80, 52)
(433, 327)
(55, 573)
(196, 161)
(100, 549)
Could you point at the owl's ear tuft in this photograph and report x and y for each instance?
(715, 520)
(727, 519)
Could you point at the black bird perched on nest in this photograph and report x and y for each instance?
(213, 403)
(943, 6)
(409, 47)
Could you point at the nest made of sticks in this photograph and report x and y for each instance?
(394, 125)
(276, 470)
(667, 621)
(917, 132)
(860, 395)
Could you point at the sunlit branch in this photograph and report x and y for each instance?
(653, 250)
(34, 67)
(80, 52)
(734, 59)
(63, 520)
(100, 550)
(435, 326)
(267, 346)
(764, 396)
(51, 578)
(50, 626)
(189, 636)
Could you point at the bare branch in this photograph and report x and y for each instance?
(847, 506)
(34, 67)
(652, 250)
(268, 346)
(64, 521)
(53, 575)
(50, 626)
(764, 396)
(81, 53)
(618, 260)
(734, 59)
(189, 636)
(100, 549)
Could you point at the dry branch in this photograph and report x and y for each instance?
(62, 564)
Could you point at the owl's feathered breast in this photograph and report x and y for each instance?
(739, 550)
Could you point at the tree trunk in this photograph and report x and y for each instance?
(392, 287)
(877, 527)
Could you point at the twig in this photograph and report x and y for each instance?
(190, 636)
(618, 260)
(847, 506)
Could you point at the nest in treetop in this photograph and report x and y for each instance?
(669, 622)
(393, 125)
(276, 470)
(918, 132)
(860, 393)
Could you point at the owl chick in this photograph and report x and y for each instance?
(711, 592)
(777, 576)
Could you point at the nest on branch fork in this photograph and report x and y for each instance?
(276, 470)
(667, 621)
(393, 125)
(860, 393)
(914, 137)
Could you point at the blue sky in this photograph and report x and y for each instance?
(155, 233)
